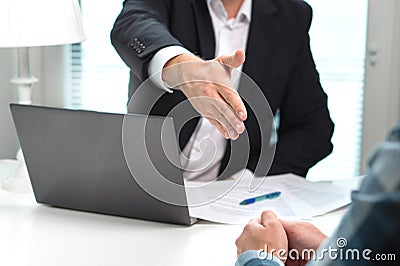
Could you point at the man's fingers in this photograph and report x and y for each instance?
(219, 127)
(253, 224)
(234, 61)
(221, 115)
(220, 104)
(267, 217)
(227, 117)
(234, 100)
(223, 126)
(255, 221)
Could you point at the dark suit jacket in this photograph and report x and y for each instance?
(278, 59)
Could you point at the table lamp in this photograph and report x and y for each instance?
(30, 23)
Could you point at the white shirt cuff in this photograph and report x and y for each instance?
(160, 59)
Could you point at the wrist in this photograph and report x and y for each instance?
(172, 71)
(182, 58)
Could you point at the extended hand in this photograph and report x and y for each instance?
(207, 85)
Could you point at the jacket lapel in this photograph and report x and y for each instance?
(204, 29)
(262, 33)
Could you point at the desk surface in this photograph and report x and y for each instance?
(33, 234)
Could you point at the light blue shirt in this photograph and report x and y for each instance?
(371, 226)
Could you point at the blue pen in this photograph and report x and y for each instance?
(272, 195)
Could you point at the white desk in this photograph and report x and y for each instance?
(37, 235)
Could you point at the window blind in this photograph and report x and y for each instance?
(98, 79)
(338, 42)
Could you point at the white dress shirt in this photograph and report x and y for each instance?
(202, 155)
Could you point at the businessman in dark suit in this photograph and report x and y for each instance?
(267, 39)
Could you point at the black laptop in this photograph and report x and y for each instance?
(105, 163)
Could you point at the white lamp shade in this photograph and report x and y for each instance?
(27, 23)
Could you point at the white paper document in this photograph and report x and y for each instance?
(219, 201)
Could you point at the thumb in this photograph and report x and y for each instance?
(234, 61)
(267, 217)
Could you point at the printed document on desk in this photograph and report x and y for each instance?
(218, 201)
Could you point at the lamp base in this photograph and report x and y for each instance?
(19, 182)
(8, 168)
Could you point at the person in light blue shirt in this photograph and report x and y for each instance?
(368, 234)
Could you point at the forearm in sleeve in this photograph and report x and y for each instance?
(140, 31)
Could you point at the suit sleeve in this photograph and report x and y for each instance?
(140, 31)
(305, 130)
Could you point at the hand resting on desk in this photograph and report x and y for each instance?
(278, 237)
(266, 233)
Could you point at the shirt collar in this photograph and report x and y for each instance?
(244, 14)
